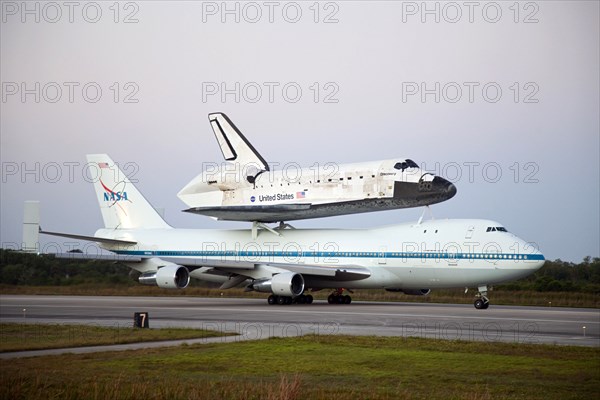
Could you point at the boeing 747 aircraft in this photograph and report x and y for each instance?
(245, 189)
(289, 263)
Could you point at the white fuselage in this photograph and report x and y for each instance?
(432, 254)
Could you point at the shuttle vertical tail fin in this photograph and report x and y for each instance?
(234, 146)
(121, 204)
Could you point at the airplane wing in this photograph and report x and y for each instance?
(241, 270)
(341, 272)
(234, 145)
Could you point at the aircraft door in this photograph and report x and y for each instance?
(469, 234)
(381, 260)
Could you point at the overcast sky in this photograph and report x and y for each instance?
(501, 99)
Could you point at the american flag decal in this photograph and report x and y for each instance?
(103, 165)
(300, 195)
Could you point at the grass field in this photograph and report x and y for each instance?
(456, 296)
(313, 367)
(16, 337)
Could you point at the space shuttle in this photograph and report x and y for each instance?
(244, 188)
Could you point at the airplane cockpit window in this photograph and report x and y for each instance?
(496, 229)
(406, 164)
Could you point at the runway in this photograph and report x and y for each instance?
(255, 319)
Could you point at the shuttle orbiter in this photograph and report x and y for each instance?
(247, 190)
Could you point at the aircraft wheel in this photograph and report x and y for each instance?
(301, 299)
(331, 299)
(280, 300)
(272, 299)
(347, 299)
(486, 305)
(479, 304)
(309, 299)
(288, 300)
(341, 300)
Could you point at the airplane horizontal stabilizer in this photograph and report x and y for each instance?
(100, 257)
(89, 238)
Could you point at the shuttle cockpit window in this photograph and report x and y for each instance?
(406, 164)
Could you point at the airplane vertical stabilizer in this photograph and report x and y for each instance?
(31, 226)
(121, 204)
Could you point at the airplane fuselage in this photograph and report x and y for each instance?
(432, 254)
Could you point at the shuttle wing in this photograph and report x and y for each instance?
(234, 145)
(267, 213)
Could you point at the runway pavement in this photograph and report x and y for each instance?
(255, 319)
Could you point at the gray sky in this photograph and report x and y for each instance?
(501, 99)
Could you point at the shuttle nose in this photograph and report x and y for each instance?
(442, 185)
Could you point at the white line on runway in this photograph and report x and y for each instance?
(287, 311)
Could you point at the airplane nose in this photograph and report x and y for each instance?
(443, 185)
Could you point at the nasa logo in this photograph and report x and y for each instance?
(253, 199)
(112, 196)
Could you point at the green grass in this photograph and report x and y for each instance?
(454, 296)
(315, 367)
(17, 337)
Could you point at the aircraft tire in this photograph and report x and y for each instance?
(341, 300)
(272, 299)
(347, 299)
(281, 300)
(479, 304)
(331, 299)
(309, 299)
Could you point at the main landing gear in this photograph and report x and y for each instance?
(337, 297)
(482, 302)
(286, 300)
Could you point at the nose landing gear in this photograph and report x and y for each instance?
(482, 302)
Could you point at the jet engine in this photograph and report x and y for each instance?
(412, 292)
(171, 276)
(288, 284)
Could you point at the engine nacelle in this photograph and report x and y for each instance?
(411, 292)
(171, 276)
(285, 284)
